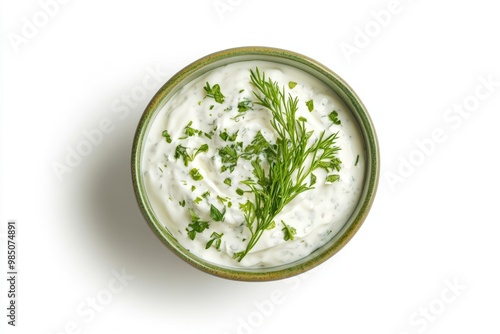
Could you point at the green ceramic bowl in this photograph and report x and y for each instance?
(308, 65)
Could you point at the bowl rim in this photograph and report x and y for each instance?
(337, 84)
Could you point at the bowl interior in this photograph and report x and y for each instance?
(308, 65)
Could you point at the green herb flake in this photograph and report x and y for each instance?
(229, 157)
(222, 199)
(202, 149)
(332, 178)
(239, 191)
(334, 117)
(332, 164)
(289, 232)
(245, 105)
(215, 237)
(228, 181)
(196, 225)
(195, 174)
(198, 200)
(310, 105)
(233, 136)
(167, 136)
(292, 84)
(189, 131)
(193, 188)
(357, 160)
(182, 203)
(224, 136)
(214, 92)
(180, 152)
(216, 214)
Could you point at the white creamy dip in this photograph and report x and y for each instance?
(317, 214)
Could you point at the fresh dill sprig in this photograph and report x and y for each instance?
(290, 162)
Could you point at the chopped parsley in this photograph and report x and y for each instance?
(229, 156)
(215, 214)
(215, 237)
(181, 152)
(227, 137)
(195, 174)
(310, 105)
(245, 105)
(189, 131)
(332, 178)
(196, 225)
(334, 117)
(214, 92)
(165, 134)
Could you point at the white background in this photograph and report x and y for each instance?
(434, 223)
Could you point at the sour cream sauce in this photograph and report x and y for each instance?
(317, 214)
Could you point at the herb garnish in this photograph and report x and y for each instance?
(214, 92)
(334, 117)
(167, 136)
(288, 232)
(310, 105)
(245, 105)
(195, 174)
(181, 152)
(215, 214)
(225, 136)
(196, 225)
(282, 166)
(229, 156)
(215, 237)
(190, 131)
(290, 161)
